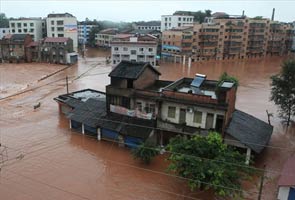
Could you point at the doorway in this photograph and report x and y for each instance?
(209, 121)
(182, 116)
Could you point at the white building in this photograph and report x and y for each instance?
(3, 32)
(104, 37)
(63, 25)
(151, 25)
(32, 26)
(83, 32)
(175, 21)
(137, 49)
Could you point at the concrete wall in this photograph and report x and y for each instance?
(3, 32)
(189, 115)
(147, 78)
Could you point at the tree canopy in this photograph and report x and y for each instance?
(145, 152)
(283, 90)
(226, 77)
(208, 163)
(4, 22)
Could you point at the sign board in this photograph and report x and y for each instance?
(70, 28)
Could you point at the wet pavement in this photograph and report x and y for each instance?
(44, 159)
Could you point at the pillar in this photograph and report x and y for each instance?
(248, 156)
(83, 131)
(98, 134)
(183, 60)
(189, 62)
(70, 124)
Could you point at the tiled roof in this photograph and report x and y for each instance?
(130, 70)
(249, 130)
(287, 178)
(56, 39)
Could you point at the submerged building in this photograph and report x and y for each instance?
(138, 106)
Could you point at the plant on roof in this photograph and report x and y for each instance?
(208, 163)
(145, 152)
(226, 77)
(283, 90)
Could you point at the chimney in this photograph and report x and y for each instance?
(273, 14)
(243, 14)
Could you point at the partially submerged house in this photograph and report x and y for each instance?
(139, 106)
(286, 184)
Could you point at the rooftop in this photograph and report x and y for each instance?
(52, 15)
(56, 39)
(150, 23)
(249, 130)
(130, 70)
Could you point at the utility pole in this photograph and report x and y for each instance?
(67, 84)
(261, 184)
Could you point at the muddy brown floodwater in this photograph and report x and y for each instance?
(41, 158)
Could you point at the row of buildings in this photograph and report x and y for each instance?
(137, 106)
(228, 37)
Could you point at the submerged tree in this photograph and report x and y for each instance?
(283, 90)
(208, 163)
(145, 152)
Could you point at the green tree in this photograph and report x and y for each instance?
(4, 22)
(283, 90)
(145, 152)
(92, 34)
(226, 77)
(208, 163)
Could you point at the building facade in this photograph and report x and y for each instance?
(84, 29)
(293, 43)
(151, 25)
(32, 26)
(134, 48)
(177, 41)
(104, 37)
(174, 21)
(3, 32)
(63, 25)
(13, 47)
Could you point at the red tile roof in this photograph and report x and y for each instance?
(56, 39)
(287, 176)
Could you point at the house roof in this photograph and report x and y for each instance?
(287, 179)
(56, 39)
(131, 70)
(250, 131)
(16, 37)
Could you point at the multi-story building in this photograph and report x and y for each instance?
(238, 37)
(104, 37)
(175, 21)
(151, 25)
(177, 41)
(134, 48)
(13, 47)
(3, 32)
(32, 26)
(63, 25)
(84, 29)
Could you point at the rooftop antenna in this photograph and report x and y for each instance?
(273, 14)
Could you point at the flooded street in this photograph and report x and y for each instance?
(43, 159)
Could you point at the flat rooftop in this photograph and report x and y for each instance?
(158, 85)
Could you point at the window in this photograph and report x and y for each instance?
(25, 24)
(31, 24)
(60, 22)
(133, 52)
(19, 25)
(60, 28)
(60, 35)
(53, 35)
(52, 28)
(13, 30)
(19, 30)
(150, 49)
(25, 30)
(140, 49)
(52, 22)
(198, 117)
(20, 46)
(139, 106)
(31, 30)
(116, 48)
(125, 49)
(12, 24)
(171, 111)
